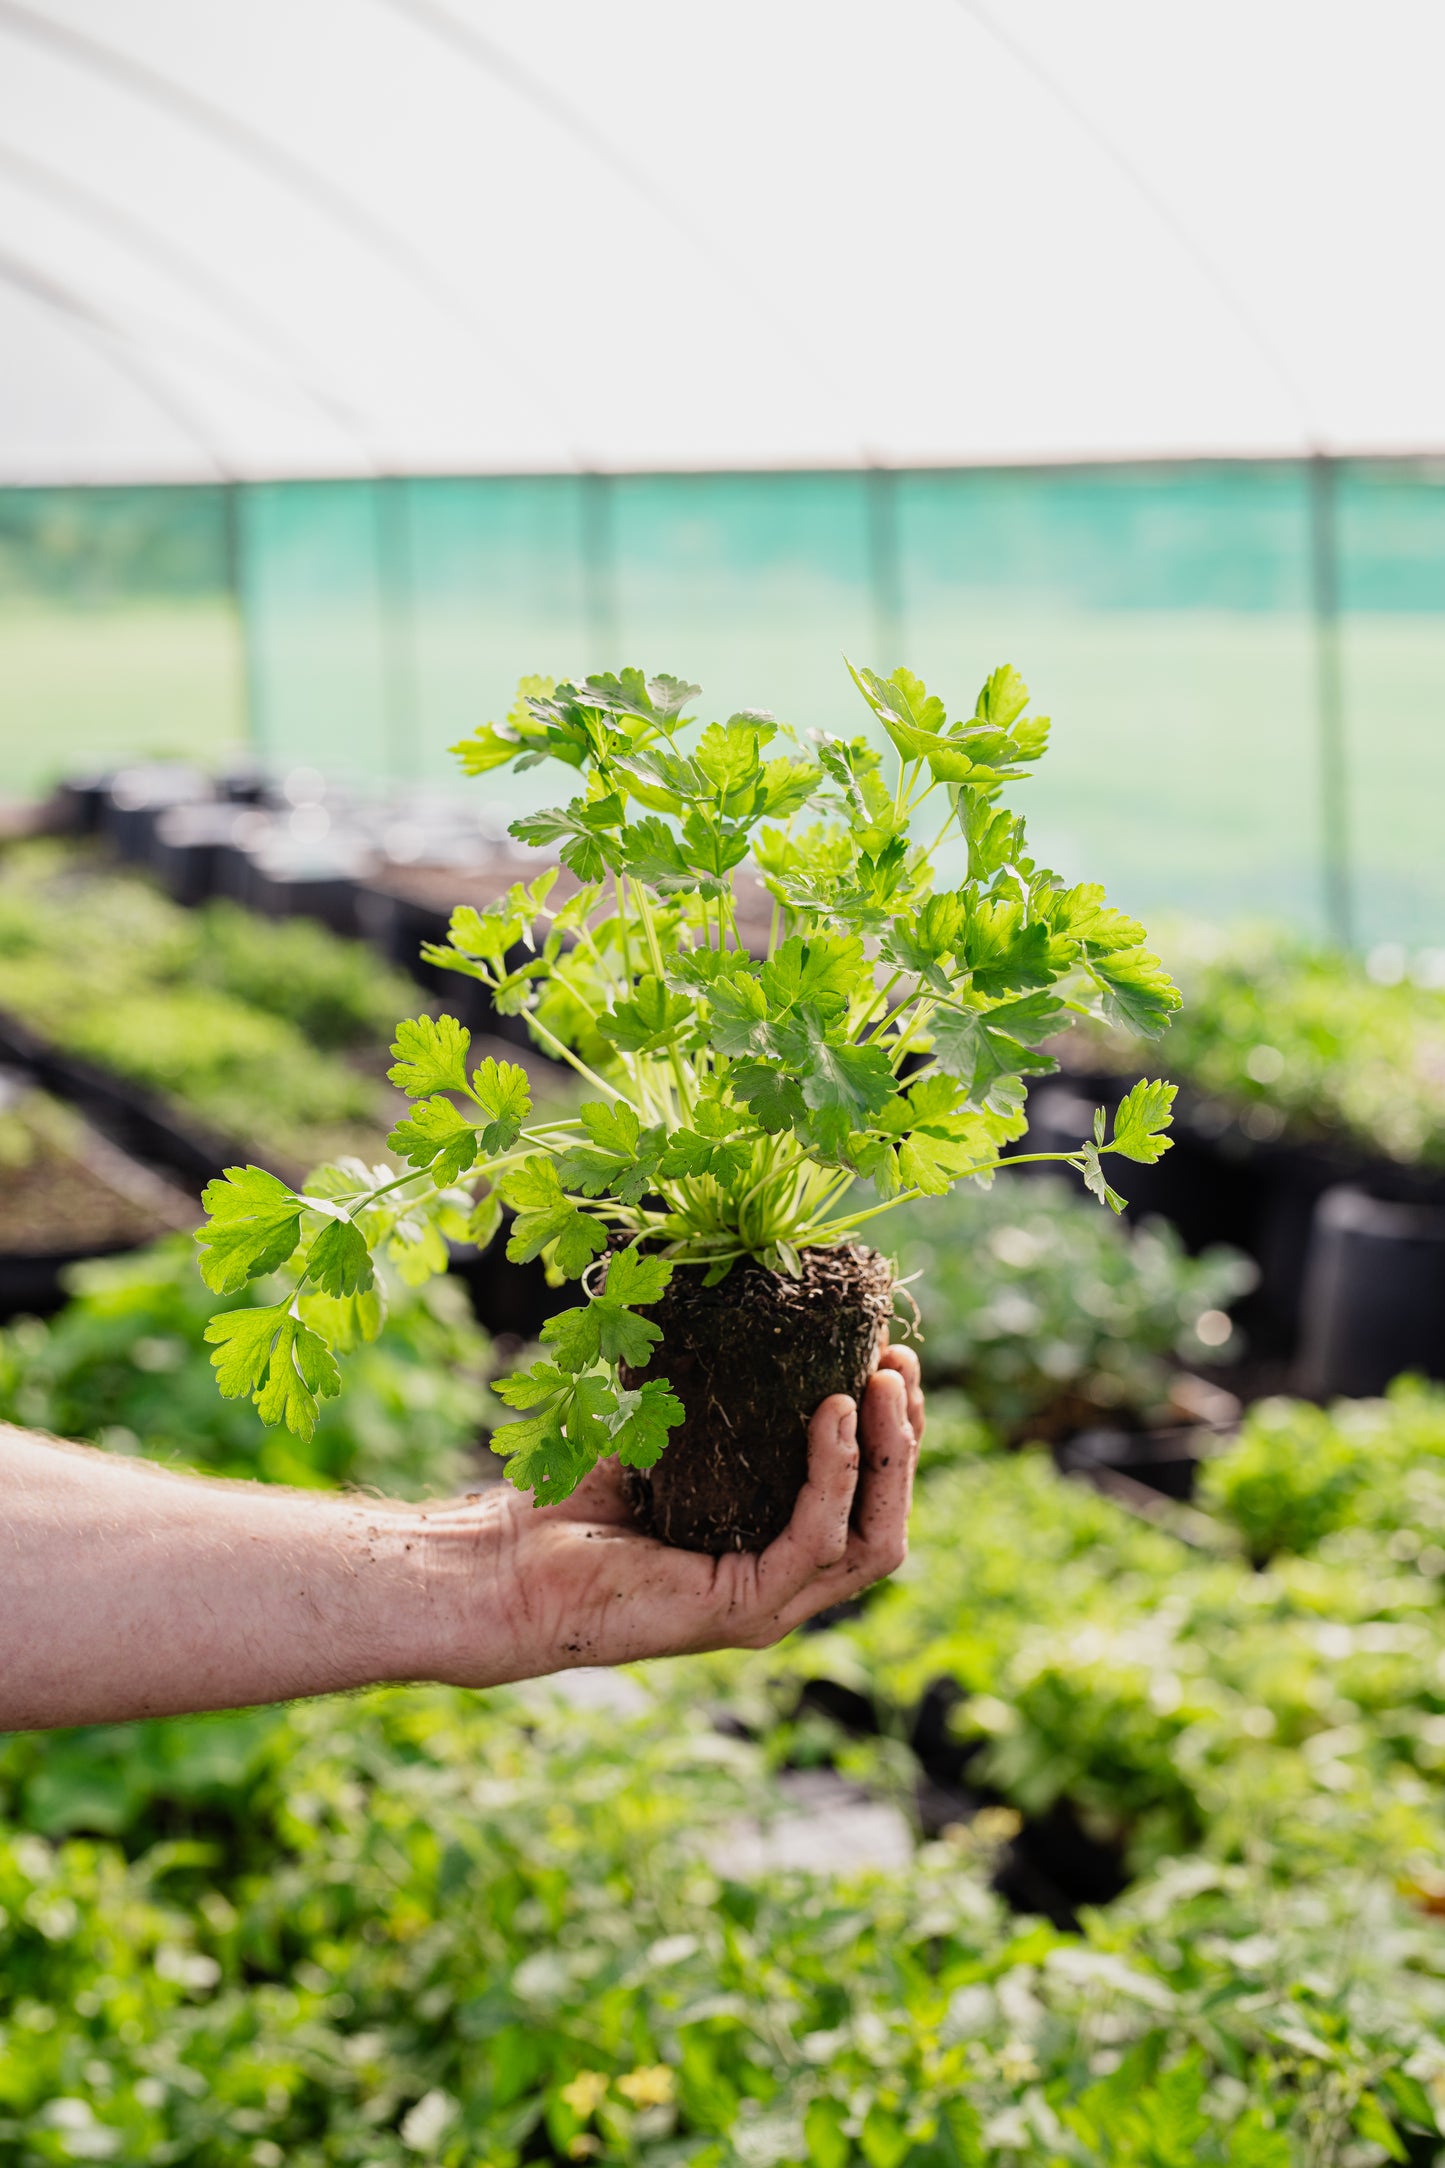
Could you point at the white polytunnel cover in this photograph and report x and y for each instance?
(307, 237)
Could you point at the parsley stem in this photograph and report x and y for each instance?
(879, 994)
(943, 831)
(534, 1023)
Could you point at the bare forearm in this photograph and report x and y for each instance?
(126, 1590)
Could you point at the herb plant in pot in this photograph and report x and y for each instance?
(751, 1116)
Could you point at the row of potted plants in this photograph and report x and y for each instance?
(1298, 1040)
(427, 1927)
(1310, 1132)
(1052, 1317)
(1043, 1648)
(202, 1030)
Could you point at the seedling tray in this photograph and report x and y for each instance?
(140, 1122)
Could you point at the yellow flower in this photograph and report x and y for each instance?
(583, 2147)
(649, 2088)
(586, 2092)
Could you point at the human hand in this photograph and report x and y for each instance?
(578, 1583)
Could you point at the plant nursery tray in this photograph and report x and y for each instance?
(72, 1196)
(142, 1123)
(1166, 1461)
(1228, 1178)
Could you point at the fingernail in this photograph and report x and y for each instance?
(848, 1421)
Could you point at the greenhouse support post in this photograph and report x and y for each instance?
(1333, 775)
(396, 587)
(252, 714)
(599, 570)
(885, 570)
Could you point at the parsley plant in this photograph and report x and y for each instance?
(743, 1105)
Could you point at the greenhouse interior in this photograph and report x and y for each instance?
(722, 1085)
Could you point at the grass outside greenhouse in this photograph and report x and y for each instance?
(1109, 1833)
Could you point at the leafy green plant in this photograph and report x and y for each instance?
(1293, 1036)
(508, 1928)
(741, 1104)
(1050, 1315)
(240, 1022)
(125, 1364)
(1299, 1476)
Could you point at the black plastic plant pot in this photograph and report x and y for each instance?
(137, 798)
(1167, 1461)
(329, 896)
(79, 799)
(187, 844)
(1374, 1296)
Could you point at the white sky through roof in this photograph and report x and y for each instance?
(358, 236)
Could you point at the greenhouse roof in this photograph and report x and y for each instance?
(258, 238)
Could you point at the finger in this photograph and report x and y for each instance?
(905, 1361)
(879, 1542)
(817, 1535)
(890, 1454)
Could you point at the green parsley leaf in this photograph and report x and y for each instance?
(1005, 953)
(635, 1277)
(502, 1090)
(338, 1261)
(582, 828)
(545, 1216)
(934, 1163)
(652, 1019)
(1002, 698)
(773, 1099)
(280, 1362)
(826, 971)
(622, 1158)
(606, 1329)
(243, 1340)
(1138, 991)
(573, 1337)
(302, 1367)
(644, 1418)
(601, 1331)
(541, 1458)
(550, 1453)
(431, 1056)
(987, 1061)
(739, 1022)
(434, 1132)
(485, 749)
(855, 1079)
(486, 1218)
(255, 1224)
(688, 1155)
(1140, 1117)
(655, 857)
(1096, 1182)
